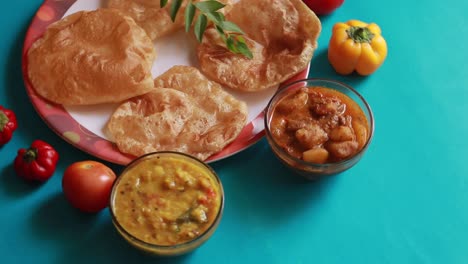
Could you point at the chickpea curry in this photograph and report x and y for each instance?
(319, 125)
(167, 201)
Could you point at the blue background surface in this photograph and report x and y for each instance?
(405, 202)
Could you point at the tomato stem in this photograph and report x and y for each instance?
(3, 120)
(30, 155)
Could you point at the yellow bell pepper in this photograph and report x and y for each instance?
(356, 46)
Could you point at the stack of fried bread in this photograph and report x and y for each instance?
(106, 56)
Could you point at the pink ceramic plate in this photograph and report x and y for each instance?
(79, 134)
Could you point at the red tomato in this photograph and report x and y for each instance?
(323, 7)
(87, 185)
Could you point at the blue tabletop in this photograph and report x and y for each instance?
(406, 201)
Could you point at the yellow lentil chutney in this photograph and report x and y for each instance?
(167, 199)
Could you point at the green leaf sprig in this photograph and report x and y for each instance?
(229, 32)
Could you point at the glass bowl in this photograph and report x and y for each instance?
(314, 170)
(167, 203)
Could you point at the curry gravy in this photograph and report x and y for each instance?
(166, 201)
(319, 125)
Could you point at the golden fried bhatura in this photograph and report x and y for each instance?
(92, 57)
(282, 35)
(185, 112)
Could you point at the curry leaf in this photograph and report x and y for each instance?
(209, 6)
(221, 33)
(229, 26)
(175, 9)
(230, 33)
(200, 26)
(189, 15)
(216, 17)
(243, 48)
(220, 30)
(231, 44)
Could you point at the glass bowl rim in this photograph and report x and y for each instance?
(145, 244)
(323, 80)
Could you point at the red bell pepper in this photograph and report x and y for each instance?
(37, 163)
(8, 125)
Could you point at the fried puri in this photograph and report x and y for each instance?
(150, 16)
(185, 112)
(282, 35)
(92, 57)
